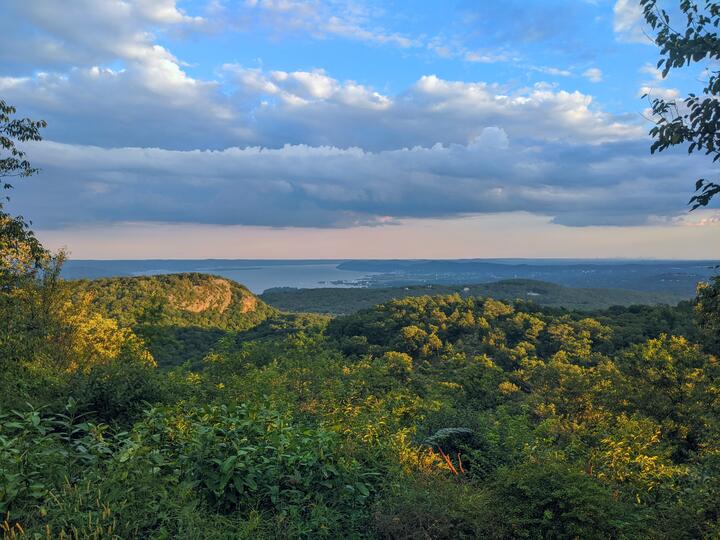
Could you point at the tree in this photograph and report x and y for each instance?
(12, 159)
(697, 118)
(707, 314)
(20, 252)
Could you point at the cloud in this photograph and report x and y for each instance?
(319, 20)
(699, 218)
(131, 91)
(140, 104)
(432, 110)
(329, 187)
(628, 22)
(651, 70)
(668, 94)
(55, 34)
(95, 70)
(552, 71)
(594, 75)
(139, 139)
(654, 89)
(486, 57)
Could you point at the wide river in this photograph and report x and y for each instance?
(259, 278)
(256, 275)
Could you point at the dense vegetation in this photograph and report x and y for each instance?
(180, 316)
(425, 417)
(335, 301)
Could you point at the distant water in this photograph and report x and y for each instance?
(678, 277)
(255, 275)
(259, 278)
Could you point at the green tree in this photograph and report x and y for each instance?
(707, 314)
(20, 252)
(697, 118)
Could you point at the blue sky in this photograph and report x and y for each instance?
(287, 128)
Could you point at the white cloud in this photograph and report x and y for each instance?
(668, 94)
(139, 105)
(327, 186)
(353, 21)
(628, 22)
(486, 57)
(557, 72)
(651, 70)
(318, 19)
(654, 88)
(594, 75)
(699, 218)
(430, 111)
(302, 88)
(59, 34)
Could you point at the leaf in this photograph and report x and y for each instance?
(228, 464)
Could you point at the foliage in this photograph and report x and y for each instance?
(20, 252)
(707, 311)
(696, 119)
(179, 316)
(426, 417)
(344, 301)
(14, 162)
(549, 499)
(38, 452)
(252, 457)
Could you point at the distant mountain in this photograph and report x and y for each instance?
(344, 301)
(180, 316)
(675, 277)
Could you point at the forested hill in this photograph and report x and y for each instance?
(427, 417)
(336, 301)
(180, 316)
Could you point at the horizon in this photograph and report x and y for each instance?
(676, 278)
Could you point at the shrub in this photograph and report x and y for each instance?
(550, 499)
(118, 391)
(39, 452)
(430, 507)
(246, 457)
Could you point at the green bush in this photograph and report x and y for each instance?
(245, 458)
(432, 508)
(118, 392)
(550, 499)
(39, 452)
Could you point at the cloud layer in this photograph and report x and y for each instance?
(299, 185)
(134, 137)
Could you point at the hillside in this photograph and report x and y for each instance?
(180, 316)
(336, 301)
(426, 417)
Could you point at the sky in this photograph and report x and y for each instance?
(348, 129)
